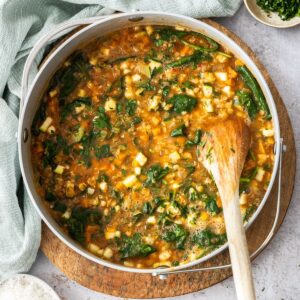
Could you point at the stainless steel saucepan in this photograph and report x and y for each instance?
(96, 27)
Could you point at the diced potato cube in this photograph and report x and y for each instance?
(154, 64)
(59, 169)
(260, 174)
(51, 129)
(93, 61)
(128, 263)
(137, 170)
(262, 158)
(149, 29)
(175, 186)
(46, 124)
(149, 239)
(93, 248)
(164, 255)
(222, 76)
(204, 216)
(70, 192)
(221, 58)
(227, 90)
(109, 235)
(151, 220)
(208, 105)
(79, 108)
(130, 181)
(108, 253)
(82, 186)
(81, 93)
(53, 93)
(243, 199)
(208, 77)
(207, 90)
(174, 157)
(103, 186)
(90, 191)
(67, 214)
(268, 132)
(141, 159)
(105, 51)
(153, 103)
(110, 104)
(136, 77)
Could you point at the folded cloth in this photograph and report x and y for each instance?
(22, 23)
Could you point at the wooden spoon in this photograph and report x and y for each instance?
(223, 152)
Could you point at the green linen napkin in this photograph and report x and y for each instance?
(22, 23)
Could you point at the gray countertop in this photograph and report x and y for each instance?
(277, 269)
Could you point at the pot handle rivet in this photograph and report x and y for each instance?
(25, 135)
(135, 19)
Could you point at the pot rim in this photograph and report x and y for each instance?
(202, 27)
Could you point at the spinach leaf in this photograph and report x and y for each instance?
(155, 174)
(102, 120)
(80, 218)
(190, 168)
(250, 210)
(183, 208)
(69, 107)
(196, 140)
(193, 59)
(246, 179)
(176, 234)
(211, 205)
(179, 131)
(256, 90)
(50, 197)
(206, 238)
(49, 154)
(182, 103)
(134, 247)
(103, 151)
(246, 100)
(164, 219)
(69, 77)
(165, 91)
(147, 208)
(59, 206)
(131, 107)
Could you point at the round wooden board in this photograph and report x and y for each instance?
(133, 285)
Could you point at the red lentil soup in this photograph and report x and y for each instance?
(116, 137)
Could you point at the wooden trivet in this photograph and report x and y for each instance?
(132, 285)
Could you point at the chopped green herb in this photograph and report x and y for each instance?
(182, 103)
(134, 247)
(131, 107)
(102, 120)
(155, 174)
(176, 234)
(196, 141)
(179, 131)
(285, 9)
(206, 238)
(103, 151)
(246, 101)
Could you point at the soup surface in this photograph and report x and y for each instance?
(115, 144)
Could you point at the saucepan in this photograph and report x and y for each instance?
(96, 27)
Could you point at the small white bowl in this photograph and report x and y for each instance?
(270, 19)
(24, 285)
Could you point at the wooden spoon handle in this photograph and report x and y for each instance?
(238, 249)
